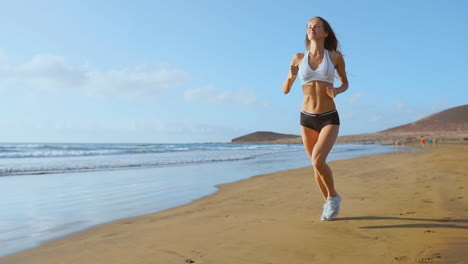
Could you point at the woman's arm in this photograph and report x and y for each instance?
(341, 70)
(292, 74)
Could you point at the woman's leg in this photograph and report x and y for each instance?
(309, 138)
(325, 141)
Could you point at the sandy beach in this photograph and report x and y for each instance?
(396, 208)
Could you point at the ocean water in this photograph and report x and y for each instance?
(52, 190)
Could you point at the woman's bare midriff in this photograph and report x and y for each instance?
(316, 99)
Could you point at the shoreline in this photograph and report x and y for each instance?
(164, 188)
(215, 220)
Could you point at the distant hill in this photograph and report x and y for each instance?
(449, 125)
(451, 120)
(265, 137)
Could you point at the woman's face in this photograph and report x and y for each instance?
(315, 29)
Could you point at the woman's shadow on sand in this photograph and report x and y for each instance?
(431, 223)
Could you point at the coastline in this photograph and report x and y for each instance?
(383, 138)
(274, 217)
(41, 210)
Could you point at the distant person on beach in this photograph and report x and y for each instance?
(319, 118)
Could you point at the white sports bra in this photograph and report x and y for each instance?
(324, 72)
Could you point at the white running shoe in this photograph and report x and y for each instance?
(323, 218)
(333, 207)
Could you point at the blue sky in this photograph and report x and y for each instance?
(209, 71)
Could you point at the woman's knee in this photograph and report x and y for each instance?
(318, 164)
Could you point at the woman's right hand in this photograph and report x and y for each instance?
(294, 69)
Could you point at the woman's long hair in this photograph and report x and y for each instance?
(331, 42)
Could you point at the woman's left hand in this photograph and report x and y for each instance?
(331, 92)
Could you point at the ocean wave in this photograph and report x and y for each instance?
(15, 151)
(115, 165)
(36, 159)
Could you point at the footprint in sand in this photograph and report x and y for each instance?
(199, 255)
(461, 188)
(401, 258)
(429, 231)
(407, 213)
(427, 187)
(426, 256)
(427, 201)
(426, 260)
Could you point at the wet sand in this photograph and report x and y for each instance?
(396, 208)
